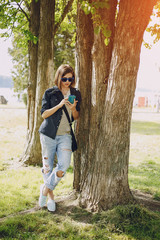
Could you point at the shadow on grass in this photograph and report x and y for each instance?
(146, 177)
(145, 128)
(122, 222)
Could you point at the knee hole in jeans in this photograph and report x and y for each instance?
(60, 174)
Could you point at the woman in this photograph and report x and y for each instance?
(55, 131)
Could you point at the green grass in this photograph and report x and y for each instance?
(144, 167)
(146, 177)
(127, 222)
(20, 191)
(149, 128)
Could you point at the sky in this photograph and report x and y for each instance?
(148, 74)
(6, 65)
(149, 69)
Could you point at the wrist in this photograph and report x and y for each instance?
(74, 110)
(59, 105)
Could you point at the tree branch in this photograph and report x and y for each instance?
(19, 5)
(65, 11)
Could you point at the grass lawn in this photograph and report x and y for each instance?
(144, 167)
(20, 190)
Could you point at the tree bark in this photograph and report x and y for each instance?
(34, 25)
(93, 63)
(45, 73)
(33, 62)
(84, 76)
(42, 25)
(104, 128)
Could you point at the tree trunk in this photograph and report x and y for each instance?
(91, 54)
(45, 73)
(33, 62)
(104, 131)
(84, 76)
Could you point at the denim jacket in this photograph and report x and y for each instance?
(51, 98)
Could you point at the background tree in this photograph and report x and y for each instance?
(154, 29)
(20, 72)
(107, 80)
(41, 55)
(44, 72)
(64, 48)
(64, 41)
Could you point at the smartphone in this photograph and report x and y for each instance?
(71, 98)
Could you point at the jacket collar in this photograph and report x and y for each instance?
(57, 90)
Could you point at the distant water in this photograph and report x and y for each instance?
(9, 95)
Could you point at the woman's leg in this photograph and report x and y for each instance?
(64, 158)
(48, 154)
(47, 191)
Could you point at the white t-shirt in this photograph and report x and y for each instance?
(64, 127)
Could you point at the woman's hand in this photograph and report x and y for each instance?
(75, 114)
(72, 106)
(63, 102)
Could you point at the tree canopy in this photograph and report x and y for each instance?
(15, 21)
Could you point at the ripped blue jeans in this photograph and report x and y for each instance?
(61, 146)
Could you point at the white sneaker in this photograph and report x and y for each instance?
(42, 199)
(51, 205)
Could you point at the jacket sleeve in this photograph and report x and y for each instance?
(45, 102)
(78, 97)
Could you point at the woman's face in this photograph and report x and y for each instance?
(67, 83)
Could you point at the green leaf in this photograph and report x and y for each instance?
(101, 5)
(35, 40)
(97, 29)
(85, 6)
(106, 41)
(93, 10)
(107, 33)
(87, 10)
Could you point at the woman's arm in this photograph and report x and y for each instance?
(75, 113)
(47, 113)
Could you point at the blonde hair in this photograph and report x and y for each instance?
(62, 71)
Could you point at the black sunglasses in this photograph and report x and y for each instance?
(69, 79)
